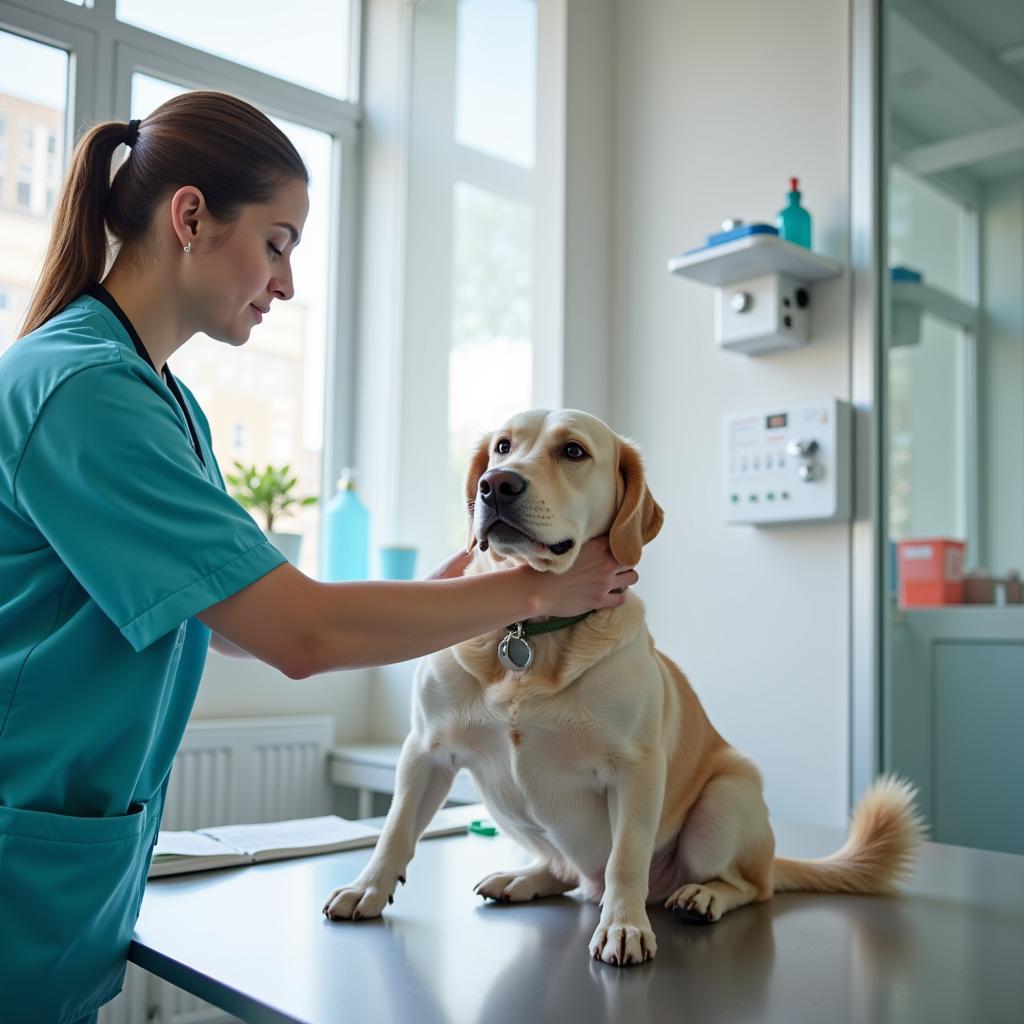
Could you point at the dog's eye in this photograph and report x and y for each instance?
(504, 446)
(574, 451)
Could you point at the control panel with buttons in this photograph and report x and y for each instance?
(789, 463)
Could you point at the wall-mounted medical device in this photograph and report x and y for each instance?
(763, 288)
(789, 463)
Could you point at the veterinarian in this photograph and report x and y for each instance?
(121, 556)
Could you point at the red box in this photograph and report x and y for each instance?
(931, 571)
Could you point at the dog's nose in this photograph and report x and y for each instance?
(501, 484)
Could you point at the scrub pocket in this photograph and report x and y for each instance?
(70, 892)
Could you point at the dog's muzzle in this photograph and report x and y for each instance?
(499, 491)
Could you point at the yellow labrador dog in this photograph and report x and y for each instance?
(587, 744)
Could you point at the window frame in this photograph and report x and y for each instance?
(104, 53)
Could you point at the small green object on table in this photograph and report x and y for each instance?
(482, 827)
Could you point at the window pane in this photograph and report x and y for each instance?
(928, 232)
(496, 78)
(491, 322)
(304, 41)
(33, 106)
(148, 93)
(927, 382)
(928, 434)
(265, 401)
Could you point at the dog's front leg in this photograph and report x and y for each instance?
(624, 934)
(422, 781)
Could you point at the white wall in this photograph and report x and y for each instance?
(716, 105)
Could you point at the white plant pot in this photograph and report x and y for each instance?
(287, 543)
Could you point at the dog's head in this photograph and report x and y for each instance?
(545, 482)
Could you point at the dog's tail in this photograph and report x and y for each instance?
(885, 833)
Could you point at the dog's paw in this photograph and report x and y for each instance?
(696, 901)
(520, 886)
(357, 902)
(621, 943)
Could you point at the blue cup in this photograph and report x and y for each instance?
(397, 562)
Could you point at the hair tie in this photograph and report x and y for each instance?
(132, 135)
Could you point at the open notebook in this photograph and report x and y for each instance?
(231, 845)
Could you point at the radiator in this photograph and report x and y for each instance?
(227, 772)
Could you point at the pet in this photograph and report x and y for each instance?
(597, 757)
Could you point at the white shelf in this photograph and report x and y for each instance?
(753, 256)
(936, 302)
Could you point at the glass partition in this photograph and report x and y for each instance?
(952, 411)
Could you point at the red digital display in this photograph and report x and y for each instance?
(777, 420)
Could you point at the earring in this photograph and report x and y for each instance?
(188, 247)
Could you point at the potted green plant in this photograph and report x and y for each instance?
(269, 493)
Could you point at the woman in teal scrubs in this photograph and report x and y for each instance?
(121, 556)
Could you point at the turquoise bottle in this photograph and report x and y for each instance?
(346, 533)
(793, 221)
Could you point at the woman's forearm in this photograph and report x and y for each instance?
(303, 627)
(356, 625)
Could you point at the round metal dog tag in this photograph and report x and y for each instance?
(515, 652)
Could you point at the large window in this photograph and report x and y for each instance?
(267, 402)
(469, 273)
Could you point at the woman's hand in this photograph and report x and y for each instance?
(596, 580)
(452, 567)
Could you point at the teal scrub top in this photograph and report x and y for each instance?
(113, 536)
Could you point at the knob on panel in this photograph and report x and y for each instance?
(741, 302)
(800, 448)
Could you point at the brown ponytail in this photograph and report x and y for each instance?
(229, 150)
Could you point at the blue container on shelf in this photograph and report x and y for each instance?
(900, 273)
(346, 533)
(739, 230)
(731, 230)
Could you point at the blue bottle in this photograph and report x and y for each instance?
(793, 221)
(346, 533)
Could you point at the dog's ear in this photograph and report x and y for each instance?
(477, 467)
(639, 517)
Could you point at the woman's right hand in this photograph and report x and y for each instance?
(595, 580)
